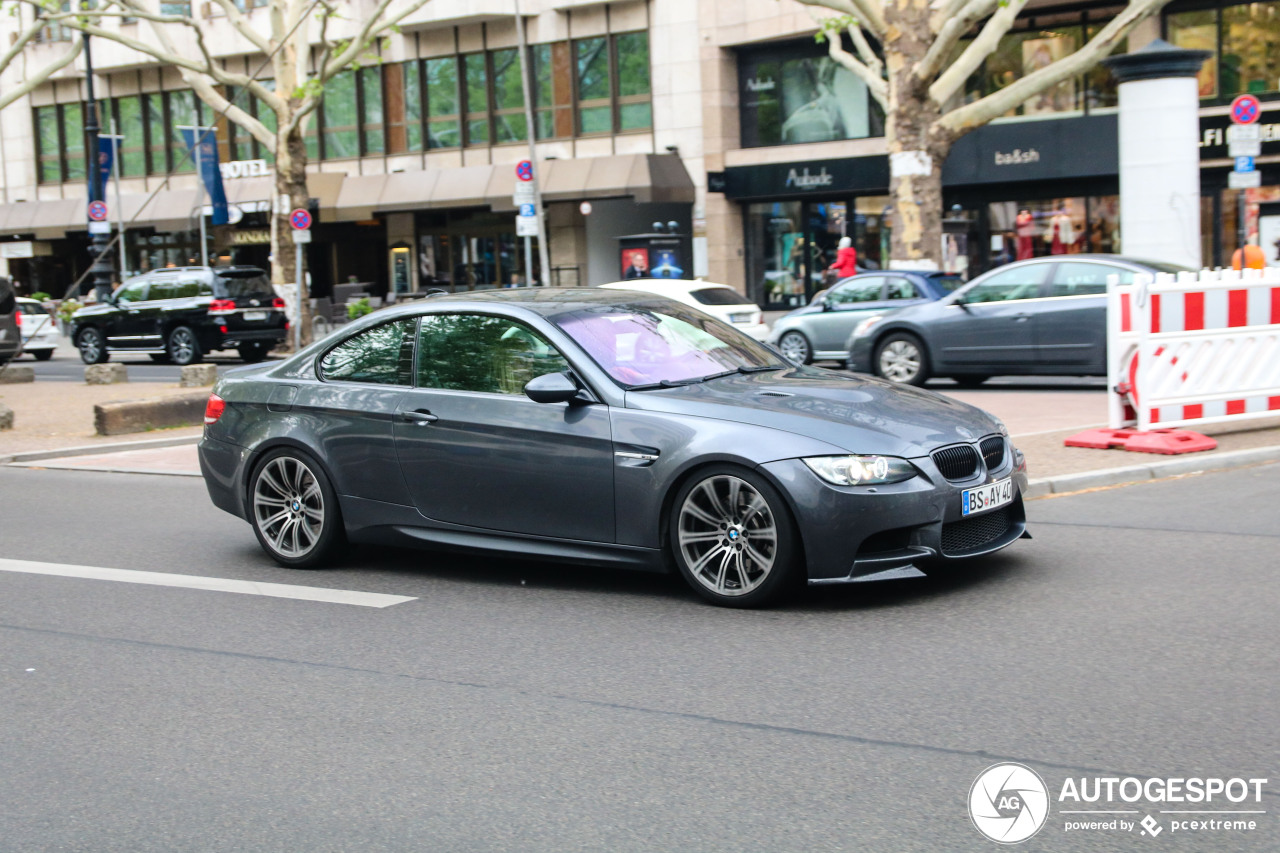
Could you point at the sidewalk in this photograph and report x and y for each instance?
(54, 429)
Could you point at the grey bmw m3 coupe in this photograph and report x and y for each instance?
(607, 428)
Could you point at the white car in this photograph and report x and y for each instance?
(718, 300)
(38, 327)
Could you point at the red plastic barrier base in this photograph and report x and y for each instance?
(1166, 441)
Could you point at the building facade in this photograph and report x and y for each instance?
(727, 120)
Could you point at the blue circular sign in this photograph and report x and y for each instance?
(98, 211)
(524, 170)
(1245, 109)
(300, 219)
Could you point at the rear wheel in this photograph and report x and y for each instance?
(43, 355)
(795, 346)
(253, 352)
(900, 358)
(970, 381)
(92, 346)
(732, 538)
(294, 509)
(183, 347)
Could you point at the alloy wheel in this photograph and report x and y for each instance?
(794, 346)
(182, 346)
(900, 361)
(288, 506)
(727, 535)
(90, 346)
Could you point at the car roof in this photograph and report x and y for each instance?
(682, 284)
(548, 302)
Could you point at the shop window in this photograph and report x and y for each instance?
(776, 261)
(1250, 49)
(372, 127)
(1021, 54)
(1032, 229)
(49, 145)
(1198, 31)
(793, 95)
(477, 89)
(594, 89)
(444, 128)
(1100, 88)
(508, 97)
(635, 108)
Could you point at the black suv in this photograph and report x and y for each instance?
(10, 332)
(178, 314)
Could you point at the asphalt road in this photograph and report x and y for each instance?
(528, 707)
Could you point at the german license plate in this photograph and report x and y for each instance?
(739, 318)
(983, 498)
(255, 315)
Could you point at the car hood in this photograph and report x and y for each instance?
(860, 414)
(90, 311)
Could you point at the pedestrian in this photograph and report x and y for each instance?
(846, 259)
(1250, 257)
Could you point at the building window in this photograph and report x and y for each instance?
(49, 144)
(184, 111)
(414, 114)
(339, 112)
(1250, 60)
(594, 89)
(132, 129)
(373, 135)
(552, 66)
(477, 77)
(444, 128)
(635, 107)
(176, 7)
(1198, 31)
(508, 97)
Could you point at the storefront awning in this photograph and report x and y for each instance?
(358, 196)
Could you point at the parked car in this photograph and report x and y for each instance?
(179, 314)
(1042, 316)
(39, 329)
(718, 300)
(598, 426)
(10, 336)
(820, 331)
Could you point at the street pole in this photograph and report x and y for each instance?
(100, 271)
(204, 237)
(531, 133)
(116, 139)
(297, 295)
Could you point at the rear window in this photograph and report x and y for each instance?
(246, 283)
(948, 283)
(719, 296)
(32, 308)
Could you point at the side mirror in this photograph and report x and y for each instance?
(962, 302)
(551, 388)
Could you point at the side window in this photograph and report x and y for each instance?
(1072, 278)
(1017, 283)
(162, 289)
(133, 291)
(475, 352)
(861, 289)
(897, 287)
(382, 355)
(187, 288)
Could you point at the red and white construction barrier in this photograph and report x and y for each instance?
(1189, 350)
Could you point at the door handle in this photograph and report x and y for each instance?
(1021, 318)
(421, 417)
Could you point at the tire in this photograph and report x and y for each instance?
(294, 510)
(253, 353)
(970, 381)
(92, 346)
(795, 346)
(159, 357)
(183, 347)
(43, 355)
(901, 358)
(713, 520)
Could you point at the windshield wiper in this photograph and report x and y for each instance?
(678, 383)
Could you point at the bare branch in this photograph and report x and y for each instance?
(374, 27)
(243, 26)
(31, 80)
(950, 81)
(950, 33)
(998, 103)
(867, 67)
(869, 13)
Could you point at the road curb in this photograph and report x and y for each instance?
(91, 449)
(1191, 464)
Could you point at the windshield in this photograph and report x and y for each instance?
(244, 285)
(648, 344)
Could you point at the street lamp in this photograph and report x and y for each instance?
(101, 271)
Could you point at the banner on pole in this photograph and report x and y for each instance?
(209, 171)
(107, 148)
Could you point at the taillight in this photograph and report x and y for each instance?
(222, 306)
(53, 321)
(214, 409)
(277, 302)
(17, 318)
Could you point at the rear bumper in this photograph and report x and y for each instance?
(223, 466)
(758, 331)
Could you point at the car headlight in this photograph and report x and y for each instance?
(1004, 430)
(861, 470)
(866, 325)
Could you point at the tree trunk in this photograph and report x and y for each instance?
(291, 184)
(918, 144)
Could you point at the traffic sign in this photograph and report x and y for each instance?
(1244, 180)
(300, 219)
(301, 235)
(97, 211)
(528, 210)
(526, 226)
(1244, 164)
(1245, 109)
(524, 170)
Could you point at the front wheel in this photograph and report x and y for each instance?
(795, 347)
(183, 347)
(294, 509)
(92, 346)
(733, 539)
(43, 355)
(900, 358)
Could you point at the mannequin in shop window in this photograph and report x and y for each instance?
(1025, 225)
(1061, 234)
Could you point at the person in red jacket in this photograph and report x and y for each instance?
(846, 259)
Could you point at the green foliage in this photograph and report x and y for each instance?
(358, 308)
(835, 25)
(40, 296)
(67, 308)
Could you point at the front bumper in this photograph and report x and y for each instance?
(860, 352)
(860, 533)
